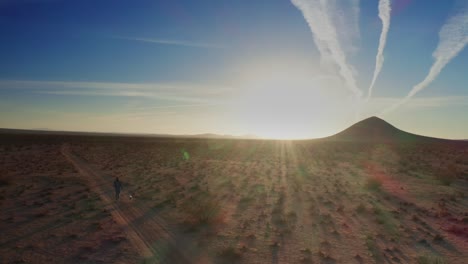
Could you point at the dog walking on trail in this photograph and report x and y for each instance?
(117, 187)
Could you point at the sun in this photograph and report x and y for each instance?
(282, 104)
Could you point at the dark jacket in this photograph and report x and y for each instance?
(117, 185)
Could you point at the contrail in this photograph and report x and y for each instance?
(384, 15)
(318, 14)
(172, 42)
(453, 37)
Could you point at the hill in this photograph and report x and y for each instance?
(374, 129)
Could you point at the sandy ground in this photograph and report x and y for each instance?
(50, 215)
(150, 236)
(233, 201)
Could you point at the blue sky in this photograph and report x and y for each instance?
(228, 67)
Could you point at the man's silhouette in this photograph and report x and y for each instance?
(117, 187)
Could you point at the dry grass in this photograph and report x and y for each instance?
(49, 215)
(284, 202)
(430, 259)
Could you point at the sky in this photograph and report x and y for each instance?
(273, 68)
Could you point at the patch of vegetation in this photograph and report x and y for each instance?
(373, 248)
(373, 184)
(201, 210)
(438, 238)
(430, 259)
(230, 255)
(325, 256)
(361, 208)
(384, 218)
(4, 181)
(245, 202)
(161, 204)
(259, 188)
(446, 175)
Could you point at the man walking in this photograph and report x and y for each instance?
(117, 187)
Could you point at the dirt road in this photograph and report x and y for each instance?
(145, 230)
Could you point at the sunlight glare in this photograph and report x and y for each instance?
(284, 104)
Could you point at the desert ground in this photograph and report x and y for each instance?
(231, 200)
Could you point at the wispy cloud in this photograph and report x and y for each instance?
(172, 42)
(453, 37)
(28, 84)
(327, 23)
(154, 95)
(179, 106)
(384, 15)
(32, 84)
(181, 92)
(139, 115)
(422, 102)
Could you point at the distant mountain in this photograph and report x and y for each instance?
(374, 129)
(32, 131)
(54, 132)
(210, 135)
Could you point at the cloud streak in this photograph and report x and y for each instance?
(422, 102)
(453, 37)
(320, 15)
(28, 84)
(179, 106)
(384, 15)
(159, 86)
(172, 42)
(142, 94)
(180, 92)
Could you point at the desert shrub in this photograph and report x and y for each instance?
(230, 254)
(292, 215)
(446, 174)
(4, 181)
(202, 210)
(430, 259)
(245, 202)
(371, 244)
(384, 217)
(361, 208)
(373, 184)
(438, 238)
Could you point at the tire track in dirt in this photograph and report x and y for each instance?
(145, 230)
